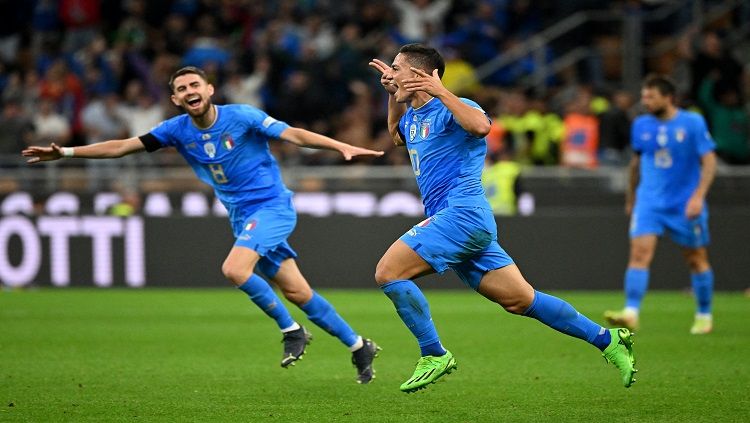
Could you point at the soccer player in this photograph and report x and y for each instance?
(445, 138)
(673, 167)
(227, 147)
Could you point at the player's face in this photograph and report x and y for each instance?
(192, 93)
(400, 70)
(654, 101)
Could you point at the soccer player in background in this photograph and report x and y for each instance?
(445, 138)
(227, 147)
(672, 167)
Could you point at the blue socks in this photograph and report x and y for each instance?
(561, 316)
(322, 313)
(703, 289)
(636, 283)
(413, 309)
(263, 296)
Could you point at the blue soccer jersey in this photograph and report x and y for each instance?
(447, 160)
(232, 155)
(671, 152)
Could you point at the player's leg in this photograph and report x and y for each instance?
(286, 274)
(693, 236)
(394, 274)
(645, 228)
(238, 268)
(258, 235)
(702, 280)
(642, 250)
(507, 287)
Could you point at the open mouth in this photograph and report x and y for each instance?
(193, 102)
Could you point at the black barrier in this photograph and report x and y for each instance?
(553, 252)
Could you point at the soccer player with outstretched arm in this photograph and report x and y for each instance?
(672, 167)
(227, 147)
(445, 138)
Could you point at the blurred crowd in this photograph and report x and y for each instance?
(80, 71)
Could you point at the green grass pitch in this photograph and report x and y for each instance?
(86, 355)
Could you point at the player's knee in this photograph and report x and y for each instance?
(235, 274)
(516, 305)
(384, 273)
(298, 295)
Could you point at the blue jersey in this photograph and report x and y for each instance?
(447, 160)
(671, 152)
(232, 155)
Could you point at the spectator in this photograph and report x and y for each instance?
(580, 142)
(614, 129)
(50, 126)
(729, 122)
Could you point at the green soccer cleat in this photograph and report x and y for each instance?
(620, 353)
(702, 325)
(429, 369)
(622, 318)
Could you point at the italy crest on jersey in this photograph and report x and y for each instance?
(227, 141)
(424, 130)
(210, 149)
(679, 134)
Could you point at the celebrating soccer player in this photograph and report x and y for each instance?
(227, 147)
(445, 138)
(673, 167)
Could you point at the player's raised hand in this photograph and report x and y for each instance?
(37, 154)
(349, 151)
(386, 75)
(430, 84)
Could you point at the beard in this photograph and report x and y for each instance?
(660, 112)
(196, 113)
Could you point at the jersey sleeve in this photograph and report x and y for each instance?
(635, 135)
(160, 136)
(704, 143)
(262, 123)
(475, 105)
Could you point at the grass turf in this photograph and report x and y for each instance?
(210, 355)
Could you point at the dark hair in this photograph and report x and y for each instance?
(184, 71)
(661, 83)
(424, 57)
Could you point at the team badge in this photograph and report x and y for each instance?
(210, 149)
(412, 131)
(680, 134)
(227, 141)
(661, 138)
(424, 130)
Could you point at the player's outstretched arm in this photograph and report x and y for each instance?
(102, 150)
(305, 138)
(473, 120)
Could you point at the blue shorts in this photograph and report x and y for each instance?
(690, 233)
(460, 238)
(265, 231)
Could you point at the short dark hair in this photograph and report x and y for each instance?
(424, 57)
(184, 71)
(664, 84)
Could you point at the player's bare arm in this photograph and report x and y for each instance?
(305, 138)
(103, 150)
(473, 120)
(708, 172)
(395, 109)
(634, 169)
